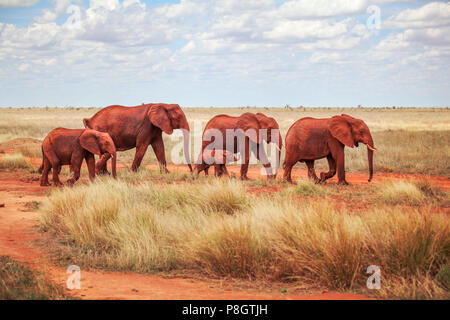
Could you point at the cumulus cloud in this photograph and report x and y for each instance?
(18, 3)
(435, 14)
(215, 40)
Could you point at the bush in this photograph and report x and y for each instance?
(15, 161)
(401, 192)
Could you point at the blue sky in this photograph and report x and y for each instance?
(224, 53)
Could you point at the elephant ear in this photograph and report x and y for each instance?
(249, 123)
(89, 142)
(341, 130)
(159, 116)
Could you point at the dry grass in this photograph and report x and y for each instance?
(410, 192)
(306, 187)
(217, 228)
(15, 161)
(18, 282)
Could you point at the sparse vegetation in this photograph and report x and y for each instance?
(17, 282)
(15, 161)
(215, 227)
(306, 187)
(410, 192)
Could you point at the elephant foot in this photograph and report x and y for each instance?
(343, 183)
(70, 182)
(103, 173)
(271, 177)
(57, 184)
(245, 178)
(45, 184)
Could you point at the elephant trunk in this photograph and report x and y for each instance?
(114, 164)
(187, 143)
(279, 144)
(370, 151)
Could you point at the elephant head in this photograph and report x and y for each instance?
(350, 132)
(271, 125)
(99, 143)
(169, 117)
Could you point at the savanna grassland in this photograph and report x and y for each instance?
(320, 237)
(409, 140)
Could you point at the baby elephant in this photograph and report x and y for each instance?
(69, 147)
(218, 158)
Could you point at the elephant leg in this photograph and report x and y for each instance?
(311, 171)
(102, 164)
(244, 166)
(289, 162)
(207, 171)
(265, 162)
(46, 169)
(140, 152)
(332, 172)
(217, 170)
(225, 170)
(287, 176)
(158, 148)
(56, 166)
(340, 163)
(75, 164)
(90, 161)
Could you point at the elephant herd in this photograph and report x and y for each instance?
(118, 128)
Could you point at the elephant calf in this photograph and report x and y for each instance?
(218, 158)
(69, 147)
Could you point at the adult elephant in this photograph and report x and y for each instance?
(241, 135)
(311, 139)
(138, 127)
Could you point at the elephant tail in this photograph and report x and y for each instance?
(86, 123)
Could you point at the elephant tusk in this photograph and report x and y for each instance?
(371, 148)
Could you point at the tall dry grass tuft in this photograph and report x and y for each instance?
(413, 192)
(216, 227)
(306, 187)
(401, 192)
(15, 161)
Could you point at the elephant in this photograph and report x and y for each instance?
(69, 147)
(311, 139)
(246, 134)
(138, 127)
(218, 158)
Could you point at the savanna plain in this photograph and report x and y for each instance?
(179, 236)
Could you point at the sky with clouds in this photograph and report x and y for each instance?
(225, 52)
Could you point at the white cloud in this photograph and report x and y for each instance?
(216, 40)
(18, 3)
(434, 14)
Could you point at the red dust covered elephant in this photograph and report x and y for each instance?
(311, 139)
(141, 126)
(70, 147)
(242, 135)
